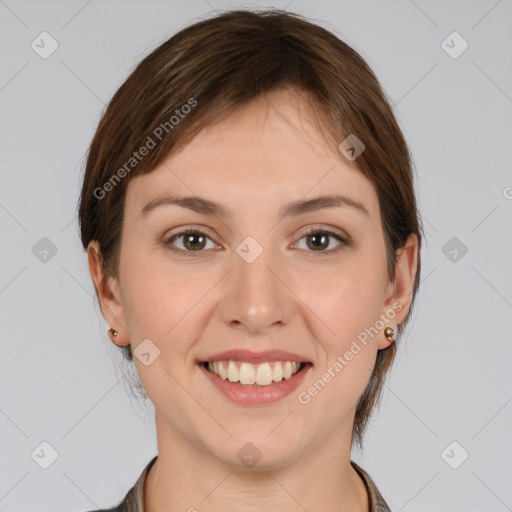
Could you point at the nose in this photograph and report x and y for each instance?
(256, 298)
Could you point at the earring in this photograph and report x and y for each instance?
(390, 333)
(113, 332)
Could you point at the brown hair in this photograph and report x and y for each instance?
(214, 65)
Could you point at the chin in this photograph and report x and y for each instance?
(257, 452)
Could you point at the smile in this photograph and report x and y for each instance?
(263, 374)
(240, 380)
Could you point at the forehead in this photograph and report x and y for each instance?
(269, 151)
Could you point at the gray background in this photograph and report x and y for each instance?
(61, 378)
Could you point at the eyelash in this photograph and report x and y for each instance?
(169, 241)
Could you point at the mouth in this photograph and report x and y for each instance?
(260, 375)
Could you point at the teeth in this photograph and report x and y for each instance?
(263, 375)
(287, 370)
(223, 371)
(233, 373)
(248, 374)
(277, 373)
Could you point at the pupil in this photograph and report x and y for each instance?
(189, 238)
(323, 241)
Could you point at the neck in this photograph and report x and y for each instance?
(185, 478)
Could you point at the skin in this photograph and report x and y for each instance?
(264, 154)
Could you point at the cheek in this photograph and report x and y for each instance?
(349, 352)
(157, 298)
(348, 301)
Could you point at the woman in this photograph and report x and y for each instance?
(249, 214)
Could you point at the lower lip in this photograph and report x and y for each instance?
(247, 395)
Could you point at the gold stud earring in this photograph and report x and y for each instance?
(113, 332)
(389, 333)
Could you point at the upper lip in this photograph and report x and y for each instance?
(256, 357)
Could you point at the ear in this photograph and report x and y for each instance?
(107, 291)
(399, 292)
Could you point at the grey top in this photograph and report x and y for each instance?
(134, 499)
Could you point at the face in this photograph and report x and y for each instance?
(258, 277)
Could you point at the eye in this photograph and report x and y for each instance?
(193, 241)
(318, 241)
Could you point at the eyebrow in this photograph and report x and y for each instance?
(294, 208)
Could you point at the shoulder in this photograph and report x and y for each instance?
(128, 504)
(376, 501)
(117, 508)
(134, 499)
